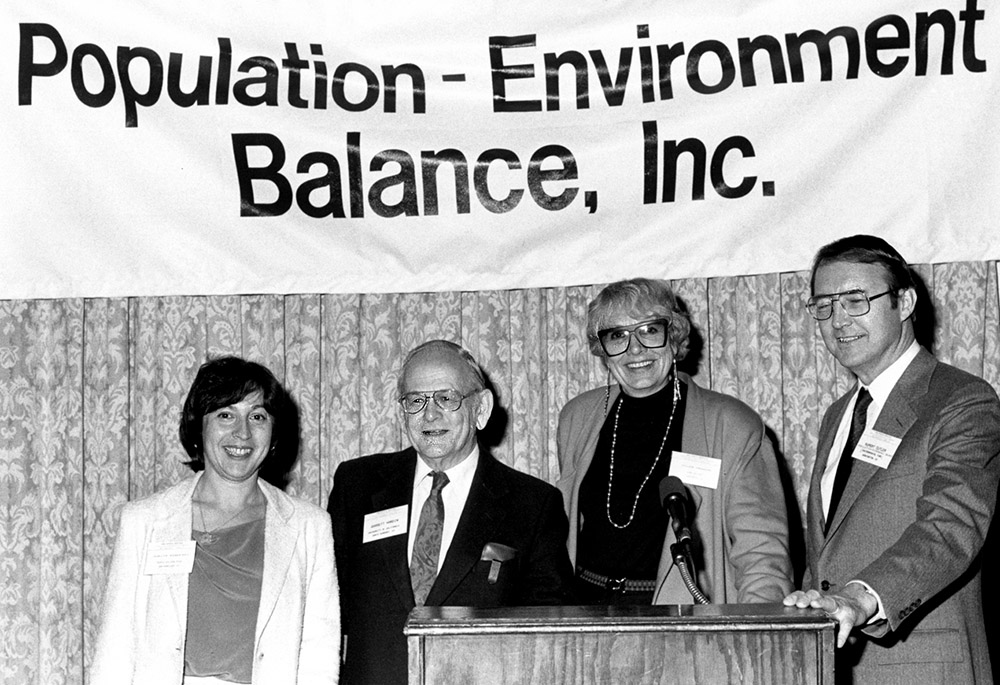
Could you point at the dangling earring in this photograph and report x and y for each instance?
(607, 391)
(677, 382)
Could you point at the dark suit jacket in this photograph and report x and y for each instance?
(504, 506)
(913, 531)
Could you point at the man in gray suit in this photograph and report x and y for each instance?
(904, 484)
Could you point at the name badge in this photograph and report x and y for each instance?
(165, 558)
(876, 448)
(695, 469)
(385, 524)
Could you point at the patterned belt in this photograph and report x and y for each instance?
(616, 584)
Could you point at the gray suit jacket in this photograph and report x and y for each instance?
(913, 531)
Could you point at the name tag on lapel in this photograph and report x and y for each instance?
(696, 470)
(876, 448)
(165, 558)
(385, 524)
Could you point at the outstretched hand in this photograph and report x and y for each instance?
(851, 607)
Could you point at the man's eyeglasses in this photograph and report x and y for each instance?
(447, 400)
(651, 334)
(854, 302)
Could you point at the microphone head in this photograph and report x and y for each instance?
(672, 486)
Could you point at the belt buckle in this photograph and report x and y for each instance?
(616, 585)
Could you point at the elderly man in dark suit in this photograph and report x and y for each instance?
(904, 485)
(441, 523)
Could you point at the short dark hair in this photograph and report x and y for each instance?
(224, 381)
(638, 298)
(866, 249)
(475, 372)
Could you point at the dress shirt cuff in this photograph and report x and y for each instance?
(880, 614)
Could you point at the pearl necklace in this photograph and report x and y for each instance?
(663, 443)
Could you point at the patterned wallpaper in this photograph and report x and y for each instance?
(91, 389)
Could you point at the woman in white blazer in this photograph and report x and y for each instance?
(223, 578)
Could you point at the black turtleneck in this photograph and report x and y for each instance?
(634, 551)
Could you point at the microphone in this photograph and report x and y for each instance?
(673, 497)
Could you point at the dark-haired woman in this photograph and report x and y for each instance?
(618, 443)
(223, 578)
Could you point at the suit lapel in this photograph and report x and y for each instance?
(815, 521)
(175, 526)
(483, 514)
(280, 539)
(397, 490)
(584, 447)
(895, 419)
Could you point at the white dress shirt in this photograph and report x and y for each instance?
(454, 495)
(879, 389)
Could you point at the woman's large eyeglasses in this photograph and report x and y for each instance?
(854, 302)
(651, 334)
(447, 400)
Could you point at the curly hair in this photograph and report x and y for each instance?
(639, 298)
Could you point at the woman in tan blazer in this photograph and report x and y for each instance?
(619, 443)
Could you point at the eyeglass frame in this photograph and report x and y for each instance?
(631, 333)
(429, 396)
(813, 302)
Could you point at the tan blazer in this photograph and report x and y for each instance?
(913, 531)
(144, 617)
(742, 525)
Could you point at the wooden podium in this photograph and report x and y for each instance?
(765, 644)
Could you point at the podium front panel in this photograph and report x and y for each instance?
(660, 645)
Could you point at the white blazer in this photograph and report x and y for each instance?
(144, 617)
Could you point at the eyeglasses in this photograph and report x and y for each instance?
(448, 400)
(651, 334)
(854, 302)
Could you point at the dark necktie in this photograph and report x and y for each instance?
(858, 422)
(427, 542)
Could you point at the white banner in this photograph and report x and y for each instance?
(372, 146)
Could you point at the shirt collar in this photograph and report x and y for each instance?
(886, 381)
(459, 473)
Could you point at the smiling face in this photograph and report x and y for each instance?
(237, 438)
(444, 438)
(639, 370)
(868, 344)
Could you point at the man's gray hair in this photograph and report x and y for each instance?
(475, 372)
